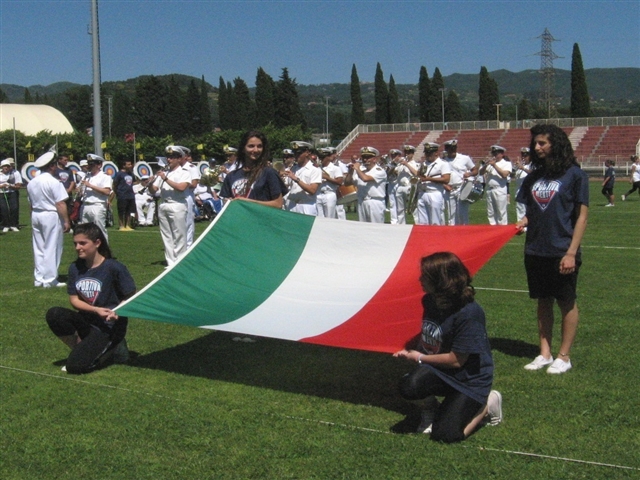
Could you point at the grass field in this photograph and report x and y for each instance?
(196, 404)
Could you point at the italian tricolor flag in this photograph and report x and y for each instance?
(261, 271)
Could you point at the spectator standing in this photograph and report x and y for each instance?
(126, 197)
(10, 184)
(608, 182)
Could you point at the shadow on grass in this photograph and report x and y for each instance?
(352, 376)
(514, 348)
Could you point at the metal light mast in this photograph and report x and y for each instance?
(97, 111)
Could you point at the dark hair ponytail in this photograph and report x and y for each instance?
(93, 233)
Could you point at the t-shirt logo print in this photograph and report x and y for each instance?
(89, 289)
(431, 338)
(543, 191)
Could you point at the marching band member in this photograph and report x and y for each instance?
(522, 168)
(343, 164)
(145, 202)
(186, 163)
(371, 180)
(497, 172)
(399, 175)
(49, 220)
(96, 191)
(172, 212)
(306, 179)
(331, 179)
(433, 176)
(230, 164)
(462, 168)
(10, 183)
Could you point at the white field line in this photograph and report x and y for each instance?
(319, 422)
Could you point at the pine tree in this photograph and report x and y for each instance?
(265, 98)
(381, 97)
(435, 97)
(244, 105)
(424, 86)
(488, 96)
(453, 108)
(395, 112)
(288, 112)
(580, 104)
(357, 108)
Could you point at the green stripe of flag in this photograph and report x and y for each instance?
(228, 272)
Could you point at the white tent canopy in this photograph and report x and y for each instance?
(31, 119)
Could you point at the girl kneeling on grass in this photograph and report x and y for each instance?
(97, 284)
(453, 355)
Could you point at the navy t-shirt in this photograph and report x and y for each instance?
(610, 173)
(104, 286)
(461, 332)
(66, 176)
(123, 185)
(552, 210)
(268, 186)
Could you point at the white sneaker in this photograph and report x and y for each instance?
(5, 230)
(14, 229)
(494, 410)
(538, 363)
(64, 368)
(559, 366)
(624, 197)
(609, 205)
(427, 415)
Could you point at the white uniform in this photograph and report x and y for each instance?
(327, 193)
(371, 195)
(194, 172)
(399, 189)
(431, 194)
(460, 164)
(299, 200)
(344, 168)
(496, 188)
(144, 200)
(521, 208)
(44, 191)
(172, 214)
(94, 204)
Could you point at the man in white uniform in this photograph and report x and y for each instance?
(97, 188)
(432, 178)
(344, 168)
(145, 202)
(522, 168)
(230, 164)
(306, 179)
(186, 162)
(399, 177)
(331, 179)
(10, 184)
(172, 212)
(497, 172)
(49, 220)
(371, 181)
(462, 168)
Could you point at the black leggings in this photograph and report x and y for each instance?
(96, 344)
(456, 410)
(634, 187)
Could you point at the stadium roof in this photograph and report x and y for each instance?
(31, 119)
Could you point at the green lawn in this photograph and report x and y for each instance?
(196, 404)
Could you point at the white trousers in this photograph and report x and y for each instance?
(452, 203)
(371, 210)
(145, 218)
(431, 208)
(96, 213)
(173, 229)
(398, 201)
(340, 212)
(326, 205)
(305, 208)
(191, 221)
(497, 201)
(47, 231)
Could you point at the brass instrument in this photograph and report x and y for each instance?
(211, 176)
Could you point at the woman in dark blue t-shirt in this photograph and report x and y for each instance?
(96, 285)
(453, 355)
(254, 179)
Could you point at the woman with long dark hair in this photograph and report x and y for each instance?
(254, 179)
(97, 284)
(556, 195)
(453, 355)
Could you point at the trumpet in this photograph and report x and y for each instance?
(211, 176)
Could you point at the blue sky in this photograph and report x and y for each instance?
(46, 41)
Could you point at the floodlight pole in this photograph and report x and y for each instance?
(97, 111)
(497, 105)
(442, 91)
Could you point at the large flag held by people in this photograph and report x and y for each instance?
(262, 271)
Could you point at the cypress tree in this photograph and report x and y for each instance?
(288, 112)
(149, 106)
(524, 109)
(192, 109)
(357, 108)
(205, 109)
(381, 97)
(453, 108)
(3, 97)
(580, 105)
(488, 96)
(424, 86)
(265, 98)
(244, 105)
(174, 117)
(395, 113)
(122, 122)
(435, 96)
(232, 108)
(223, 106)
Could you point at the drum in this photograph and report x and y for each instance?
(347, 194)
(471, 191)
(142, 168)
